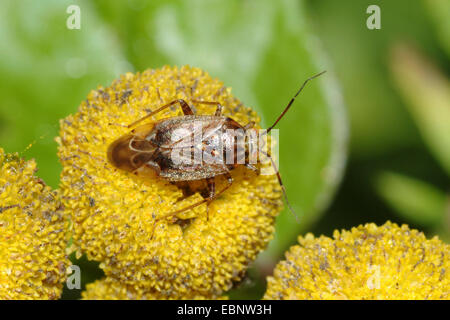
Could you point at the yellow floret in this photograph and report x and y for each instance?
(32, 233)
(368, 262)
(114, 211)
(111, 289)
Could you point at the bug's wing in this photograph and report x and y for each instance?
(144, 130)
(186, 132)
(193, 172)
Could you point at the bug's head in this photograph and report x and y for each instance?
(130, 152)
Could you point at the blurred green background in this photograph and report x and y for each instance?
(369, 141)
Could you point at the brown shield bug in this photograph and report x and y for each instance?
(169, 148)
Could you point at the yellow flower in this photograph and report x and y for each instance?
(113, 211)
(111, 289)
(368, 262)
(32, 233)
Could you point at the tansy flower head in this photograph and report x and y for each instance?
(32, 233)
(119, 218)
(368, 262)
(111, 289)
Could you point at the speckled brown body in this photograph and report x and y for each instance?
(211, 147)
(171, 149)
(185, 148)
(193, 148)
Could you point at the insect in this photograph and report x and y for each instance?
(150, 148)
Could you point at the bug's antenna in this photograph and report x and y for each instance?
(282, 186)
(292, 101)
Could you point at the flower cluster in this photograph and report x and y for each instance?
(368, 262)
(33, 230)
(116, 215)
(123, 220)
(111, 289)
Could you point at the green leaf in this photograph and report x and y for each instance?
(415, 200)
(427, 93)
(46, 70)
(439, 10)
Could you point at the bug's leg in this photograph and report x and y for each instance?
(230, 182)
(281, 184)
(187, 110)
(249, 125)
(212, 193)
(252, 167)
(218, 112)
(185, 188)
(211, 187)
(214, 103)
